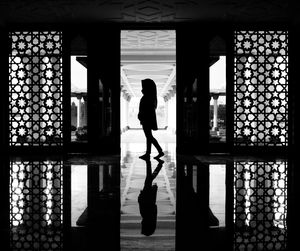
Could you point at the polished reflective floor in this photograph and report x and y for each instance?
(182, 202)
(148, 194)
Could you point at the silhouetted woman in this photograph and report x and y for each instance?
(147, 116)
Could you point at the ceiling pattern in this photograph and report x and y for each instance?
(154, 54)
(20, 11)
(148, 39)
(164, 79)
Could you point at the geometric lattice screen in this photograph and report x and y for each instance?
(261, 88)
(260, 205)
(36, 205)
(35, 88)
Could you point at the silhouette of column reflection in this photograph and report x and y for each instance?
(194, 220)
(147, 199)
(103, 211)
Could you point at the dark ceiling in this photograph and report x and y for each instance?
(74, 11)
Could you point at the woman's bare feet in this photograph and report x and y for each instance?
(160, 154)
(145, 156)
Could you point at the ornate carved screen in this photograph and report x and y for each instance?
(261, 88)
(260, 205)
(36, 205)
(35, 88)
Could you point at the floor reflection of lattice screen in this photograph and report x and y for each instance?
(260, 205)
(36, 205)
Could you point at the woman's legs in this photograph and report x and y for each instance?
(149, 136)
(151, 140)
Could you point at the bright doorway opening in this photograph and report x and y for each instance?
(148, 54)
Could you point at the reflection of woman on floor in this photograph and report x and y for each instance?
(147, 199)
(147, 116)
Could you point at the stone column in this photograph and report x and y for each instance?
(167, 113)
(78, 110)
(73, 114)
(126, 110)
(215, 119)
(84, 111)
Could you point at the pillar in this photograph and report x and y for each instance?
(84, 111)
(167, 113)
(73, 114)
(215, 119)
(78, 110)
(126, 111)
(124, 101)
